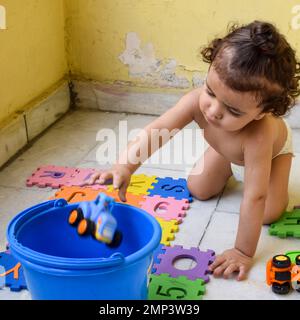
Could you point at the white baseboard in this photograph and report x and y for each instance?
(13, 137)
(21, 128)
(117, 98)
(47, 111)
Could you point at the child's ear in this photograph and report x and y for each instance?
(260, 116)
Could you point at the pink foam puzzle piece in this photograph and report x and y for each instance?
(80, 177)
(50, 176)
(166, 208)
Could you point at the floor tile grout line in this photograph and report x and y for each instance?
(205, 229)
(212, 215)
(229, 212)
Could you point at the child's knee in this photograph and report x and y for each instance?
(197, 190)
(274, 212)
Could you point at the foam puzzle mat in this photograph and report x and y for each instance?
(166, 199)
(288, 225)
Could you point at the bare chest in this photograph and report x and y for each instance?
(228, 145)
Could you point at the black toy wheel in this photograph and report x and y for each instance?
(86, 227)
(116, 240)
(281, 288)
(281, 261)
(75, 217)
(297, 260)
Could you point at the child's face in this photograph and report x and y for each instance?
(227, 109)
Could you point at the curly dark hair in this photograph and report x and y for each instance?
(256, 57)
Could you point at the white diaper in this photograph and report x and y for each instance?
(238, 171)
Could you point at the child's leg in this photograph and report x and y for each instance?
(277, 198)
(209, 175)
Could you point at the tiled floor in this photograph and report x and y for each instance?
(209, 224)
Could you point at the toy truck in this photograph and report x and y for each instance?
(279, 274)
(283, 272)
(95, 218)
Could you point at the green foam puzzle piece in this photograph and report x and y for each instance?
(163, 287)
(292, 255)
(287, 226)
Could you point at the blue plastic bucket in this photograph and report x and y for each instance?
(59, 264)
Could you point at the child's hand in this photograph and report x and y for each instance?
(231, 261)
(120, 177)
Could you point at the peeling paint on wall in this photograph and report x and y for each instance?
(143, 64)
(2, 18)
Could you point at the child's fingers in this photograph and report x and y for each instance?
(105, 176)
(230, 269)
(117, 180)
(122, 191)
(94, 177)
(242, 274)
(219, 260)
(220, 269)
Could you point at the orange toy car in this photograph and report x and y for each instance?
(278, 273)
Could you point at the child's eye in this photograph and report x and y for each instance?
(210, 93)
(234, 113)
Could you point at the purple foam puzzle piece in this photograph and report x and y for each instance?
(202, 258)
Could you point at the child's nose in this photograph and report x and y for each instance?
(215, 111)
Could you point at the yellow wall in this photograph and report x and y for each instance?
(92, 35)
(176, 29)
(32, 51)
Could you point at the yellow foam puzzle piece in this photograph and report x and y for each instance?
(168, 230)
(140, 184)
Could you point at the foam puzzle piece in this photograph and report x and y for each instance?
(132, 199)
(287, 226)
(50, 176)
(164, 287)
(76, 194)
(168, 230)
(140, 184)
(169, 187)
(107, 185)
(80, 177)
(13, 275)
(202, 259)
(2, 278)
(166, 208)
(159, 250)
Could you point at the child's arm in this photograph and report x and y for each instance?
(176, 117)
(258, 148)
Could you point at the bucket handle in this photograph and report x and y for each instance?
(114, 260)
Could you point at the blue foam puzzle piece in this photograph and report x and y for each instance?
(169, 187)
(7, 261)
(159, 250)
